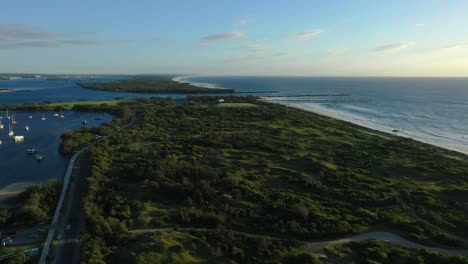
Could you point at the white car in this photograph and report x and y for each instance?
(68, 227)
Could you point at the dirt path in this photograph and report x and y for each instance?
(316, 246)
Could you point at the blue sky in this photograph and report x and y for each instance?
(294, 37)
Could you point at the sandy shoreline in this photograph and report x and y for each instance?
(7, 90)
(324, 113)
(11, 191)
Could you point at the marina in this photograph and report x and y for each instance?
(34, 143)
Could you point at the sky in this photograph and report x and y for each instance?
(242, 37)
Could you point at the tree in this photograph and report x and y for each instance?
(301, 211)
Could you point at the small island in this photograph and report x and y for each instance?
(4, 78)
(153, 84)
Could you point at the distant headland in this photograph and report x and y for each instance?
(153, 84)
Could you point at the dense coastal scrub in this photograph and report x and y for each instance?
(267, 169)
(76, 139)
(152, 84)
(34, 206)
(374, 252)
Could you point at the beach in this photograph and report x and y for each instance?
(359, 123)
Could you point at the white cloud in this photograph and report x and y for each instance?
(307, 34)
(14, 36)
(457, 45)
(14, 32)
(224, 36)
(393, 47)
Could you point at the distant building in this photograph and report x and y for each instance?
(221, 100)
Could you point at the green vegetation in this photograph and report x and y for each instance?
(268, 170)
(34, 206)
(22, 258)
(4, 78)
(208, 247)
(76, 139)
(152, 85)
(105, 105)
(375, 252)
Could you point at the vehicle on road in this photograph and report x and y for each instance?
(68, 227)
(7, 241)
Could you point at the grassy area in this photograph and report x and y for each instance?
(236, 105)
(269, 170)
(152, 85)
(70, 105)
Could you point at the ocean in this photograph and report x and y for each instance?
(433, 110)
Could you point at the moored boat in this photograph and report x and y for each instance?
(31, 151)
(10, 132)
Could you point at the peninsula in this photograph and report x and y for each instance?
(153, 84)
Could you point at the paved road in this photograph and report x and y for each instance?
(55, 218)
(316, 246)
(68, 248)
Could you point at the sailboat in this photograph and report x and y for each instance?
(26, 128)
(7, 116)
(61, 113)
(1, 125)
(43, 118)
(13, 121)
(10, 132)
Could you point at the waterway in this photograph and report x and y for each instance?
(19, 169)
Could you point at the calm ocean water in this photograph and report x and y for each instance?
(433, 110)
